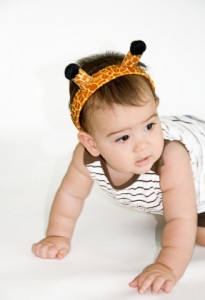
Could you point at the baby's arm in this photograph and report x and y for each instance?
(66, 208)
(180, 230)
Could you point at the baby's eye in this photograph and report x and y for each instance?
(123, 139)
(149, 127)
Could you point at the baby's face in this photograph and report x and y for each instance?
(129, 138)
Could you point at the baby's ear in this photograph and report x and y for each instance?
(156, 101)
(88, 142)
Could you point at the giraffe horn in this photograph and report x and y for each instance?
(137, 47)
(79, 76)
(133, 56)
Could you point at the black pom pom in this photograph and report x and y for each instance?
(71, 71)
(137, 47)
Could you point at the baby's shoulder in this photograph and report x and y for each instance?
(173, 151)
(176, 164)
(78, 152)
(78, 158)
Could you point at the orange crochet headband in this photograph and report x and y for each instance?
(89, 84)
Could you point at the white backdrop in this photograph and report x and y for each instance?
(38, 39)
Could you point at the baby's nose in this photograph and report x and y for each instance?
(140, 146)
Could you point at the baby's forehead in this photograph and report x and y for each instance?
(117, 118)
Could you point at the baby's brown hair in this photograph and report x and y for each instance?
(124, 90)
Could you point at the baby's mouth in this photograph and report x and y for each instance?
(142, 162)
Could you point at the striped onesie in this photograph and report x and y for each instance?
(142, 192)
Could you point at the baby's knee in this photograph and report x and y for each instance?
(200, 236)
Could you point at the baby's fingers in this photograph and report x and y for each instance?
(62, 253)
(158, 285)
(155, 284)
(151, 282)
(168, 286)
(145, 284)
(45, 250)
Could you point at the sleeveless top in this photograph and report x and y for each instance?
(142, 192)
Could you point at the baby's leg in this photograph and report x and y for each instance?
(200, 236)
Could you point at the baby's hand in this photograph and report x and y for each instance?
(52, 247)
(156, 277)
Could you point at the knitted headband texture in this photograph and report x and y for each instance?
(89, 84)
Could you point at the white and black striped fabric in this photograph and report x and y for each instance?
(143, 191)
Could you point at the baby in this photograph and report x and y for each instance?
(151, 164)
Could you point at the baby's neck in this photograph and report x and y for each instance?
(118, 178)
